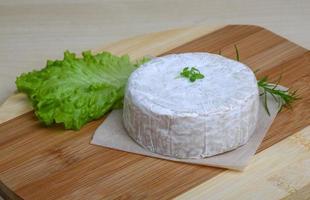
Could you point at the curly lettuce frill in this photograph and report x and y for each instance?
(74, 91)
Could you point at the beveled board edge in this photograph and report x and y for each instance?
(278, 171)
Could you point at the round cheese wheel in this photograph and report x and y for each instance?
(172, 116)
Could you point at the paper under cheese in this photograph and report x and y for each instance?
(169, 115)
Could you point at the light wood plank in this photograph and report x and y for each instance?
(14, 106)
(279, 171)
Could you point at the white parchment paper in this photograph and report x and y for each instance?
(112, 134)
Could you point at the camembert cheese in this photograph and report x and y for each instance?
(169, 115)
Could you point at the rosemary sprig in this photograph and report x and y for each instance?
(284, 97)
(237, 53)
(191, 73)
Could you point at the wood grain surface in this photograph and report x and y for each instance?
(49, 163)
(279, 171)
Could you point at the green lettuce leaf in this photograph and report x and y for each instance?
(74, 91)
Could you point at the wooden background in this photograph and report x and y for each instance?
(32, 31)
(47, 163)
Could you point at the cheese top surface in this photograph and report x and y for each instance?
(158, 86)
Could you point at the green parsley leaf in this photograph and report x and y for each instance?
(191, 73)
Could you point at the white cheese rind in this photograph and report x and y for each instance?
(172, 116)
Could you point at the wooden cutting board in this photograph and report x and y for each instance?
(49, 163)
